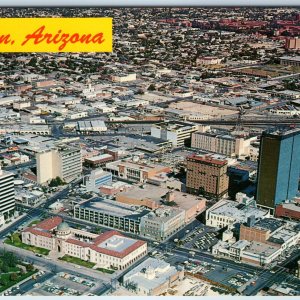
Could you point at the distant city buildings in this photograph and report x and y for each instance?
(278, 167)
(207, 175)
(290, 61)
(292, 43)
(208, 60)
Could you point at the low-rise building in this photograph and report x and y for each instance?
(111, 214)
(152, 277)
(290, 61)
(96, 179)
(154, 197)
(208, 60)
(228, 213)
(135, 171)
(288, 210)
(107, 250)
(123, 77)
(91, 126)
(162, 223)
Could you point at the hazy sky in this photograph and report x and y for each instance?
(26, 3)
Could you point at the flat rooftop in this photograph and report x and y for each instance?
(151, 273)
(292, 58)
(269, 223)
(238, 211)
(215, 159)
(261, 249)
(113, 208)
(117, 243)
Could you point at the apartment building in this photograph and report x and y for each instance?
(7, 194)
(222, 143)
(162, 223)
(179, 133)
(64, 162)
(207, 174)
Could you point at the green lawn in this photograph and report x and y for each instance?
(77, 261)
(6, 278)
(15, 240)
(105, 270)
(34, 222)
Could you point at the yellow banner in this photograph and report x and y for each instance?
(56, 34)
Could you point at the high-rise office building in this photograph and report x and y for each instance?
(278, 167)
(7, 194)
(64, 162)
(207, 175)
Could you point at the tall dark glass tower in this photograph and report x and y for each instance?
(278, 167)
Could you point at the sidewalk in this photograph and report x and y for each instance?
(11, 222)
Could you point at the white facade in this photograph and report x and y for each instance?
(223, 144)
(65, 163)
(226, 213)
(208, 61)
(108, 250)
(162, 223)
(91, 126)
(96, 179)
(123, 78)
(176, 133)
(7, 194)
(152, 277)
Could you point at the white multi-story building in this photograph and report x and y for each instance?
(96, 179)
(123, 77)
(176, 132)
(222, 143)
(162, 223)
(91, 126)
(64, 162)
(227, 213)
(107, 250)
(153, 277)
(7, 194)
(208, 60)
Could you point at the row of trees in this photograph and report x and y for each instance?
(7, 261)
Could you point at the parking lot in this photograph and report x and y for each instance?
(200, 239)
(64, 284)
(224, 275)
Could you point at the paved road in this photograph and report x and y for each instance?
(36, 211)
(23, 166)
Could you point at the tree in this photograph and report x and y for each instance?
(29, 267)
(13, 276)
(33, 62)
(56, 182)
(10, 259)
(151, 87)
